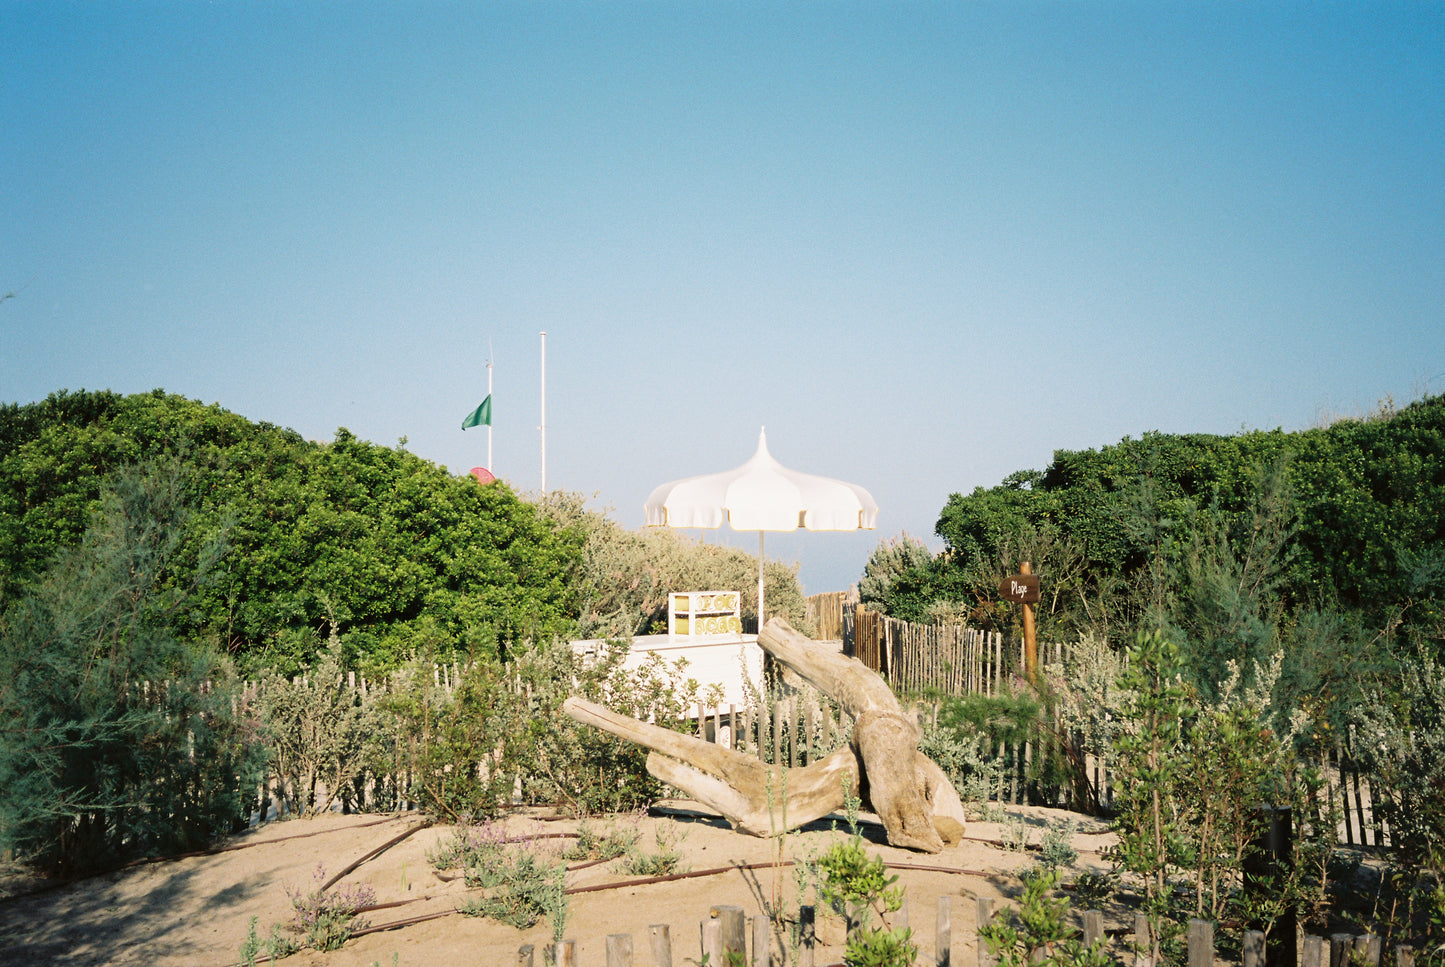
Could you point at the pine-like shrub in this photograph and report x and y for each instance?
(117, 739)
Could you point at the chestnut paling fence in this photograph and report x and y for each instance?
(955, 660)
(727, 936)
(795, 727)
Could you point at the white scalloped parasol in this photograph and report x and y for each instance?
(762, 495)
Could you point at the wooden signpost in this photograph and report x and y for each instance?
(1023, 588)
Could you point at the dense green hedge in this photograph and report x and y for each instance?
(345, 533)
(372, 541)
(1364, 501)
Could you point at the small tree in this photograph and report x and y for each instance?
(116, 738)
(1190, 776)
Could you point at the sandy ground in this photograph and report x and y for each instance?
(195, 912)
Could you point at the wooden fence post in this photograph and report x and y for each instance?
(943, 933)
(524, 956)
(795, 731)
(1404, 956)
(619, 950)
(1340, 944)
(810, 746)
(1314, 952)
(778, 734)
(1367, 950)
(1344, 790)
(567, 953)
(660, 940)
(806, 935)
(711, 939)
(734, 931)
(1201, 943)
(983, 912)
(1143, 941)
(762, 943)
(1093, 927)
(1253, 952)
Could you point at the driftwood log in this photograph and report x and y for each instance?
(916, 803)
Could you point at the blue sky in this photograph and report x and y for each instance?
(924, 244)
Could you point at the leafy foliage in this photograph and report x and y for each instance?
(325, 919)
(1350, 519)
(857, 887)
(523, 884)
(663, 859)
(505, 722)
(320, 733)
(607, 843)
(1402, 747)
(971, 727)
(323, 535)
(895, 567)
(957, 752)
(1038, 932)
(350, 534)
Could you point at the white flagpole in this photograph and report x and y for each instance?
(489, 396)
(544, 413)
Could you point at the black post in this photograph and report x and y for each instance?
(1270, 859)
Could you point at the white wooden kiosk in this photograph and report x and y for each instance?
(704, 627)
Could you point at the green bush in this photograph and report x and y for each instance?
(501, 733)
(610, 842)
(522, 884)
(320, 733)
(581, 769)
(325, 919)
(462, 749)
(971, 729)
(664, 859)
(857, 887)
(1038, 933)
(346, 531)
(895, 561)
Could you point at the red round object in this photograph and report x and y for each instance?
(483, 475)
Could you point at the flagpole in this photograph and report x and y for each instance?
(489, 396)
(544, 413)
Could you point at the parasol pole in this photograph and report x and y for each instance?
(760, 582)
(544, 413)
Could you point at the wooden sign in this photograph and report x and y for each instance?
(1020, 588)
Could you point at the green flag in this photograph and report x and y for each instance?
(481, 416)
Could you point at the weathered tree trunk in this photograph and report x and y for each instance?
(885, 738)
(755, 797)
(917, 804)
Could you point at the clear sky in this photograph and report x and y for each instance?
(924, 244)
